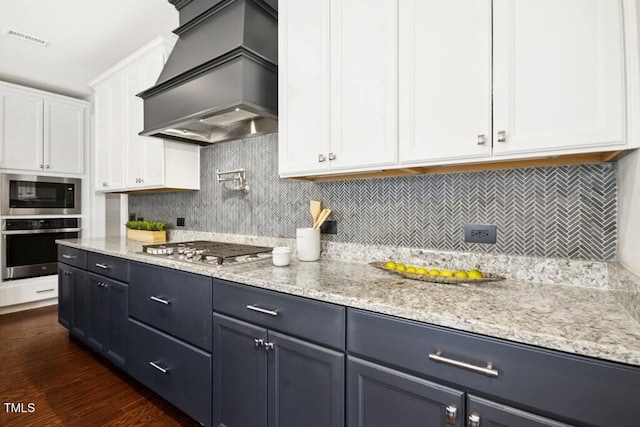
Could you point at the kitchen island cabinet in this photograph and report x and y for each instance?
(264, 377)
(414, 346)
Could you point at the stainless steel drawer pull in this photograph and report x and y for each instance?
(104, 266)
(450, 414)
(255, 307)
(488, 371)
(44, 290)
(474, 421)
(160, 300)
(69, 256)
(159, 368)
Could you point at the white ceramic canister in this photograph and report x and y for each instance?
(281, 256)
(308, 244)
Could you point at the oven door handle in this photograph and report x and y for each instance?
(41, 231)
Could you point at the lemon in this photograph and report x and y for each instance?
(461, 273)
(421, 270)
(434, 272)
(446, 273)
(411, 269)
(390, 265)
(475, 274)
(400, 267)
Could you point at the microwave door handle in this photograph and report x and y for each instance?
(41, 231)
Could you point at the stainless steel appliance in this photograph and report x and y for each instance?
(39, 195)
(29, 245)
(204, 252)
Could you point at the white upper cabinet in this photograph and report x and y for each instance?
(64, 136)
(337, 85)
(558, 75)
(126, 161)
(303, 86)
(40, 131)
(377, 85)
(364, 79)
(444, 80)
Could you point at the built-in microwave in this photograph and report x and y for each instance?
(39, 195)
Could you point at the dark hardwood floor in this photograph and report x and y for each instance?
(67, 383)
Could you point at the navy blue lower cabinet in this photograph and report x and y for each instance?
(378, 396)
(177, 371)
(265, 378)
(239, 373)
(73, 300)
(485, 413)
(108, 318)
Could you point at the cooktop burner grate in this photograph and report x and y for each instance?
(208, 252)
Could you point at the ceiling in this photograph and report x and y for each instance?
(86, 38)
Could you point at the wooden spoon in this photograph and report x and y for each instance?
(323, 216)
(314, 208)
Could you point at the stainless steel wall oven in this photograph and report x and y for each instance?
(29, 245)
(39, 195)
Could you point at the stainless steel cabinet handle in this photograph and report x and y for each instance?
(160, 300)
(332, 156)
(103, 266)
(41, 166)
(69, 256)
(502, 136)
(257, 343)
(268, 346)
(255, 307)
(104, 184)
(44, 290)
(488, 371)
(159, 368)
(450, 413)
(482, 139)
(474, 421)
(48, 166)
(321, 158)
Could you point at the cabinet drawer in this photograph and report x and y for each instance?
(72, 256)
(312, 320)
(175, 370)
(20, 293)
(108, 266)
(569, 386)
(176, 302)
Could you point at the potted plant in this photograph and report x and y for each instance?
(146, 231)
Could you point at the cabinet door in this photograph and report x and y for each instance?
(21, 130)
(364, 101)
(445, 80)
(97, 328)
(306, 384)
(65, 296)
(558, 75)
(486, 413)
(239, 373)
(144, 155)
(117, 314)
(379, 396)
(303, 84)
(80, 303)
(64, 132)
(109, 117)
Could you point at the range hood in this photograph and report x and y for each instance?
(221, 80)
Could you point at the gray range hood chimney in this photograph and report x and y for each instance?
(221, 79)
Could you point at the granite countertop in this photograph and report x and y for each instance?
(585, 321)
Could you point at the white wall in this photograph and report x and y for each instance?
(629, 211)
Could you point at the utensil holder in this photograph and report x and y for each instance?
(308, 244)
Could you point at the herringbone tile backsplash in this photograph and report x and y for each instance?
(566, 212)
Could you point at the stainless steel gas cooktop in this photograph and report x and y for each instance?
(215, 254)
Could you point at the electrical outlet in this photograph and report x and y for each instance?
(329, 227)
(478, 233)
(180, 222)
